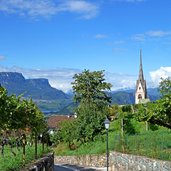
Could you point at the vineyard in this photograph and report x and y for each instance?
(22, 128)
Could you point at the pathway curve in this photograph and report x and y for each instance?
(66, 167)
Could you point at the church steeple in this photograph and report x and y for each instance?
(141, 75)
(141, 91)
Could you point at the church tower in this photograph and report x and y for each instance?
(141, 90)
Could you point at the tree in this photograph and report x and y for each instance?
(20, 114)
(90, 92)
(36, 121)
(158, 112)
(165, 87)
(90, 87)
(3, 108)
(68, 132)
(162, 107)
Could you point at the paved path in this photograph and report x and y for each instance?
(61, 168)
(66, 167)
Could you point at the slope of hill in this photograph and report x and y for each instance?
(128, 96)
(122, 97)
(40, 88)
(47, 97)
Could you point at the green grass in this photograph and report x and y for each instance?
(9, 162)
(153, 144)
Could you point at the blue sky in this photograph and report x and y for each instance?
(57, 38)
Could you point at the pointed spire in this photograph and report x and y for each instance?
(141, 76)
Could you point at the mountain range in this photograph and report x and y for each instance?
(50, 99)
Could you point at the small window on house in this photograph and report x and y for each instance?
(139, 88)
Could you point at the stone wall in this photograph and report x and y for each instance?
(85, 160)
(45, 163)
(117, 162)
(125, 162)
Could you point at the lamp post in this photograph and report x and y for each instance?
(107, 123)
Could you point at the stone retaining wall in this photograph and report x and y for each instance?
(86, 160)
(45, 163)
(117, 162)
(125, 162)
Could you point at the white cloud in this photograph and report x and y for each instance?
(101, 36)
(61, 78)
(119, 42)
(58, 78)
(162, 72)
(2, 57)
(151, 34)
(46, 8)
(118, 49)
(86, 9)
(158, 33)
(31, 8)
(120, 81)
(139, 37)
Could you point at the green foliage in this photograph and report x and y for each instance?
(69, 108)
(127, 122)
(17, 113)
(129, 125)
(20, 114)
(151, 144)
(165, 86)
(90, 87)
(162, 110)
(154, 144)
(113, 110)
(158, 112)
(90, 121)
(3, 108)
(89, 90)
(9, 162)
(68, 132)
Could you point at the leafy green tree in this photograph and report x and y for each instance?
(90, 87)
(68, 132)
(17, 117)
(90, 92)
(158, 112)
(36, 121)
(165, 87)
(3, 108)
(17, 113)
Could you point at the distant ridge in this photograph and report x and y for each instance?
(39, 88)
(52, 100)
(48, 99)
